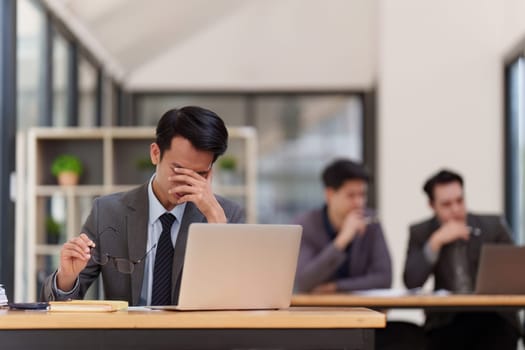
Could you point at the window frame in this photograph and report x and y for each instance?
(368, 101)
(510, 136)
(8, 62)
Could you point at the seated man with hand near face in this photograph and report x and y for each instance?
(137, 239)
(342, 247)
(448, 247)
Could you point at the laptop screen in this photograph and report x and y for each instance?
(239, 266)
(500, 269)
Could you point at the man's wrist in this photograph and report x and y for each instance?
(341, 242)
(60, 293)
(435, 242)
(217, 216)
(64, 283)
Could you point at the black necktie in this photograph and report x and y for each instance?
(161, 294)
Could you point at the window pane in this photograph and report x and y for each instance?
(298, 136)
(516, 85)
(60, 79)
(30, 57)
(231, 108)
(87, 85)
(109, 112)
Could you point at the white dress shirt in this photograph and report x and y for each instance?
(154, 231)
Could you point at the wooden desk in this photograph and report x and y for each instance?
(295, 328)
(415, 301)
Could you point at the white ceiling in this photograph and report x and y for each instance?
(228, 44)
(136, 31)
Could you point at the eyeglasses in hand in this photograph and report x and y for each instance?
(122, 265)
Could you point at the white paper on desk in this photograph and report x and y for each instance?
(139, 308)
(398, 292)
(442, 292)
(387, 292)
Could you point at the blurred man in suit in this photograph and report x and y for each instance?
(343, 247)
(448, 246)
(137, 239)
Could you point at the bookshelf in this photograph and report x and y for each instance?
(48, 214)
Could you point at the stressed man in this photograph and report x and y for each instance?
(136, 240)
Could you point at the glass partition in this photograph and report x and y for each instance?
(298, 134)
(515, 150)
(30, 60)
(60, 79)
(87, 92)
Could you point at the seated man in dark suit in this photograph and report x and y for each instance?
(136, 240)
(448, 246)
(343, 247)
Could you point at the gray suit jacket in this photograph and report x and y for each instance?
(417, 268)
(369, 264)
(128, 214)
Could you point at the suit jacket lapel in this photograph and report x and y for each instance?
(191, 214)
(137, 234)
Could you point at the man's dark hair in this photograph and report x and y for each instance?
(443, 177)
(342, 170)
(203, 128)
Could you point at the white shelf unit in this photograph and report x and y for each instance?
(109, 156)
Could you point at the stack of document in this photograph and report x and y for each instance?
(88, 305)
(3, 297)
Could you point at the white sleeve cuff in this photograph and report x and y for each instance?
(429, 254)
(60, 292)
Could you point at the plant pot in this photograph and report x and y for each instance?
(67, 178)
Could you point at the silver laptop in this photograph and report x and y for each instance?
(239, 266)
(500, 270)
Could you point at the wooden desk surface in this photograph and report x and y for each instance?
(409, 301)
(297, 317)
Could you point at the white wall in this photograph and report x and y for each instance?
(273, 44)
(514, 17)
(441, 104)
(438, 69)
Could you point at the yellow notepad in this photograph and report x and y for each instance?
(88, 305)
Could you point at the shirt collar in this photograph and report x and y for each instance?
(156, 209)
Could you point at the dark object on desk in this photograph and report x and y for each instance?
(499, 269)
(29, 306)
(3, 297)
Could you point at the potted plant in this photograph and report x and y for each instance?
(67, 168)
(53, 230)
(227, 163)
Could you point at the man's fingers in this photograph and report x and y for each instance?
(74, 254)
(186, 189)
(187, 179)
(83, 242)
(73, 249)
(189, 173)
(77, 255)
(87, 240)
